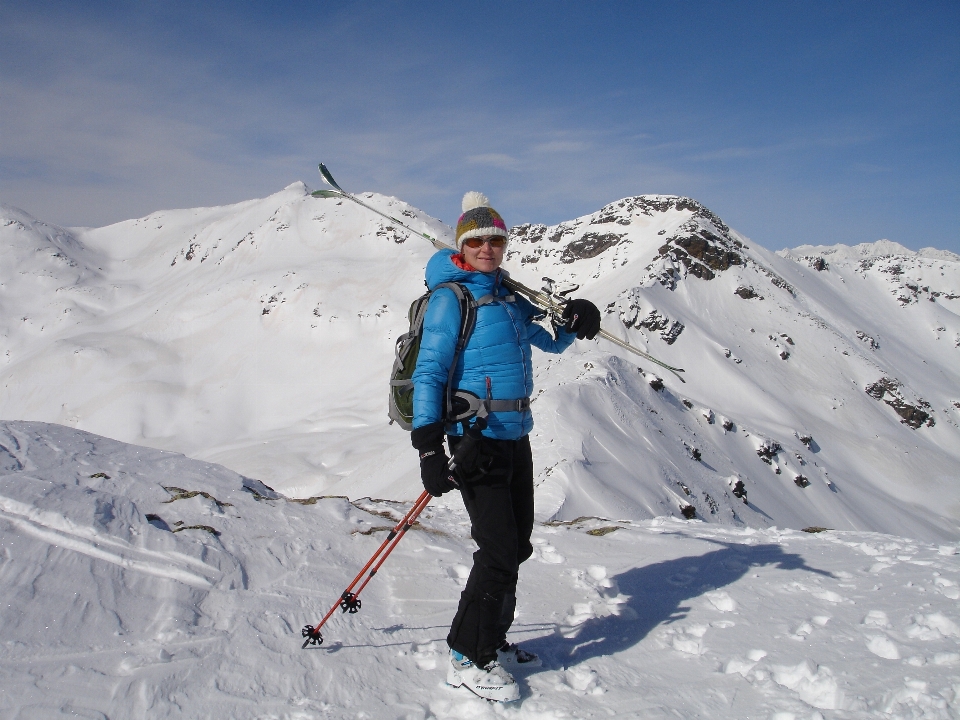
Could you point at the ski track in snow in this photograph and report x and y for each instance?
(107, 613)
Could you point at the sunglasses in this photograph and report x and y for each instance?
(497, 241)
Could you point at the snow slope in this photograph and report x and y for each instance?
(140, 583)
(822, 383)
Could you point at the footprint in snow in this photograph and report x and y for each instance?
(459, 572)
(801, 631)
(884, 647)
(815, 685)
(929, 628)
(582, 680)
(721, 600)
(814, 591)
(546, 553)
(688, 640)
(947, 587)
(683, 578)
(578, 615)
(876, 618)
(425, 655)
(743, 667)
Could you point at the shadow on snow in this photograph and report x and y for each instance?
(659, 594)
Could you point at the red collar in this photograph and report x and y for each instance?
(462, 263)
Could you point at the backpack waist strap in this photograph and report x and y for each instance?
(467, 405)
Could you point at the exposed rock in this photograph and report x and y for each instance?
(391, 233)
(632, 316)
(888, 390)
(711, 503)
(589, 246)
(768, 450)
(689, 512)
(700, 252)
(701, 247)
(747, 293)
(779, 281)
(527, 232)
(868, 340)
(737, 488)
(801, 482)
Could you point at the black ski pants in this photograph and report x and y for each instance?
(500, 506)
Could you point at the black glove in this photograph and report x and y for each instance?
(471, 463)
(436, 476)
(583, 318)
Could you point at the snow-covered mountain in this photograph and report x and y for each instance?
(822, 387)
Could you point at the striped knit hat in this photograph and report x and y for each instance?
(478, 219)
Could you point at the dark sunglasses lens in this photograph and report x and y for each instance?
(497, 242)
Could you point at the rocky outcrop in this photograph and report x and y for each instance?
(888, 390)
(589, 246)
(634, 313)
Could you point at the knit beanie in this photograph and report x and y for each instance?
(478, 219)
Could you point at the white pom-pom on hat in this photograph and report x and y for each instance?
(474, 199)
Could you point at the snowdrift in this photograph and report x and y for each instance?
(141, 583)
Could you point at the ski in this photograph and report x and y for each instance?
(544, 300)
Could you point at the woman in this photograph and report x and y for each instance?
(496, 477)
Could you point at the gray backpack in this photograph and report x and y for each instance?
(400, 407)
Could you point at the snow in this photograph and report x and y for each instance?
(108, 613)
(258, 336)
(237, 357)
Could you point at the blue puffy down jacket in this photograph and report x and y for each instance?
(498, 348)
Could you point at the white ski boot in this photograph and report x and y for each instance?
(490, 682)
(513, 657)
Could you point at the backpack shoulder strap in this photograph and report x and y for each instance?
(468, 319)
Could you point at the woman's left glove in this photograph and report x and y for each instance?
(435, 474)
(583, 318)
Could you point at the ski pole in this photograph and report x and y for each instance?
(542, 300)
(348, 601)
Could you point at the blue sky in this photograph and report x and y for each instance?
(796, 122)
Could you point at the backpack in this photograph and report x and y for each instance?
(400, 404)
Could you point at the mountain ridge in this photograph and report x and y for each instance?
(259, 335)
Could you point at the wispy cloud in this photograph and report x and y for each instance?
(496, 160)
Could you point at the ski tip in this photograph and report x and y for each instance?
(327, 177)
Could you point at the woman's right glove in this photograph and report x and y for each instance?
(434, 471)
